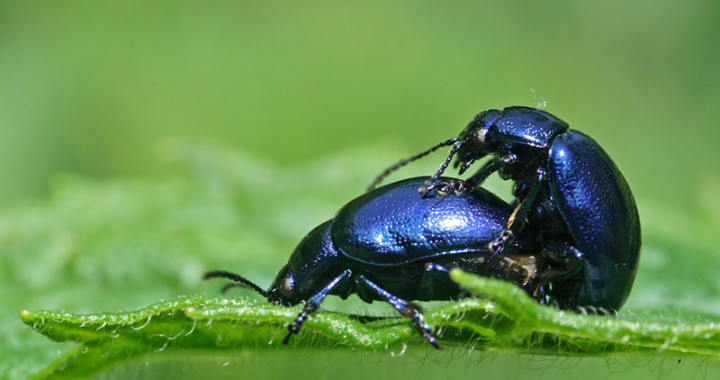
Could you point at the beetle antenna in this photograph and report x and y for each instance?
(231, 285)
(445, 164)
(239, 281)
(406, 161)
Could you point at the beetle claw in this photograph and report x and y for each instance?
(443, 188)
(427, 187)
(498, 245)
(431, 339)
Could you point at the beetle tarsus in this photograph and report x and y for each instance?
(431, 183)
(498, 245)
(443, 188)
(294, 327)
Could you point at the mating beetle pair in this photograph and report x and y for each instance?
(573, 235)
(566, 187)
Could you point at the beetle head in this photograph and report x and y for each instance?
(474, 143)
(283, 290)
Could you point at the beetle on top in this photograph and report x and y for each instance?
(566, 187)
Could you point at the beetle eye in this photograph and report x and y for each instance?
(478, 138)
(473, 143)
(287, 285)
(475, 134)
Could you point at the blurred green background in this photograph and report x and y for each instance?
(92, 87)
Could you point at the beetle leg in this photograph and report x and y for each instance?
(518, 217)
(432, 182)
(540, 294)
(432, 267)
(488, 168)
(435, 283)
(443, 188)
(406, 309)
(565, 263)
(313, 304)
(569, 258)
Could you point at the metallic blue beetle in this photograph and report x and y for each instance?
(568, 190)
(396, 245)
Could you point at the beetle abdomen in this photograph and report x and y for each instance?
(596, 204)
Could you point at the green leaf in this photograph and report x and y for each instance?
(509, 322)
(568, 333)
(99, 246)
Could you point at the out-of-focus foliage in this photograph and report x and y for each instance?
(90, 86)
